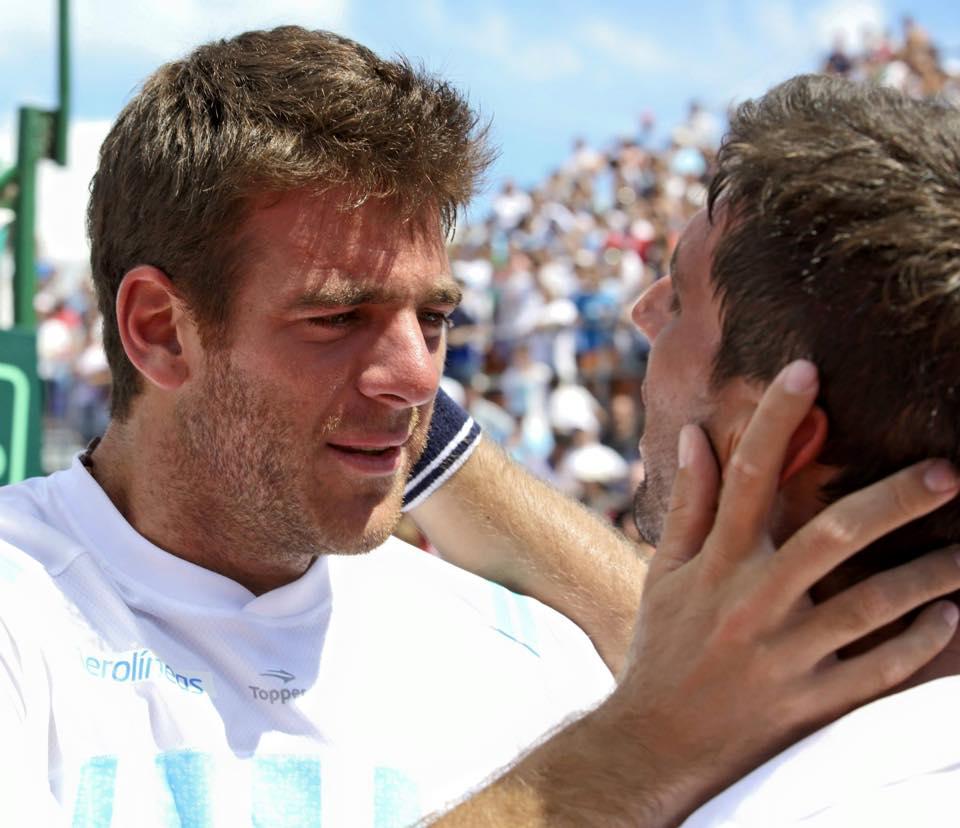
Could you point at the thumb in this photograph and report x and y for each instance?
(693, 500)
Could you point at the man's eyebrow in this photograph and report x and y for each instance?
(349, 295)
(673, 264)
(447, 294)
(333, 296)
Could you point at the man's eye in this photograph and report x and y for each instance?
(336, 320)
(675, 304)
(436, 319)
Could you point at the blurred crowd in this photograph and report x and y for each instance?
(71, 362)
(911, 63)
(542, 351)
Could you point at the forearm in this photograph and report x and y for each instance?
(588, 774)
(497, 520)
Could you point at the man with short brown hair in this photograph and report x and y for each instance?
(831, 234)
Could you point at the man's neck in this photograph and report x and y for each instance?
(107, 460)
(145, 485)
(800, 502)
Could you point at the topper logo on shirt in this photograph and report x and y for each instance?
(136, 666)
(273, 695)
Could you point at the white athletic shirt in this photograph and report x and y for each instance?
(894, 763)
(137, 689)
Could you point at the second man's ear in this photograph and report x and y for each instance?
(805, 444)
(737, 404)
(150, 318)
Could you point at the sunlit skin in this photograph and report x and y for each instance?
(680, 317)
(296, 436)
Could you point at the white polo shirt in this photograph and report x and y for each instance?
(894, 763)
(139, 689)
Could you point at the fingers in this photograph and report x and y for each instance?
(751, 477)
(875, 602)
(857, 520)
(854, 681)
(693, 500)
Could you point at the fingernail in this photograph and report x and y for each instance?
(799, 377)
(685, 447)
(951, 614)
(940, 476)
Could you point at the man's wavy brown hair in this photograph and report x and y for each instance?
(264, 113)
(841, 205)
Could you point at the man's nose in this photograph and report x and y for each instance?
(402, 370)
(652, 310)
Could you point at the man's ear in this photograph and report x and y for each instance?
(151, 316)
(738, 402)
(805, 444)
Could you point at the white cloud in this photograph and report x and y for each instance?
(546, 59)
(851, 19)
(635, 50)
(158, 29)
(593, 43)
(26, 22)
(758, 43)
(780, 26)
(8, 141)
(754, 45)
(63, 193)
(494, 36)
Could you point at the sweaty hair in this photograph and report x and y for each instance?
(841, 205)
(264, 113)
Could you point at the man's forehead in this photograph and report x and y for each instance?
(695, 241)
(334, 224)
(306, 243)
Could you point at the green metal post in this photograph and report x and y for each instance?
(33, 138)
(41, 134)
(63, 112)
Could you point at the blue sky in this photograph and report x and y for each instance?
(545, 72)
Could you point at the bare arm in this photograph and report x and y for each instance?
(497, 520)
(730, 660)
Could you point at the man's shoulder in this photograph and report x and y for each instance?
(36, 543)
(896, 755)
(25, 498)
(433, 579)
(445, 594)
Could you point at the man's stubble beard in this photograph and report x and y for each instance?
(650, 504)
(246, 484)
(651, 501)
(652, 498)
